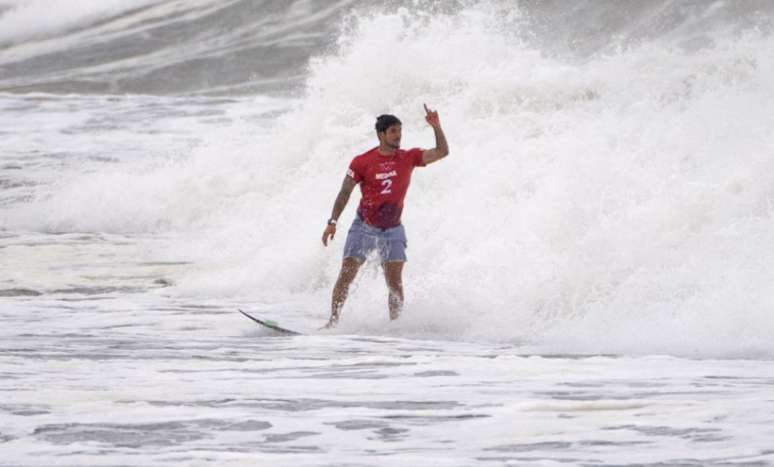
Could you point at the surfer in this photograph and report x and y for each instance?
(383, 174)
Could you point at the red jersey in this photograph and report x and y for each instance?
(384, 181)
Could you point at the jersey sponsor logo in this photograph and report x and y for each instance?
(385, 175)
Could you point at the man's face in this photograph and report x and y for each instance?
(391, 137)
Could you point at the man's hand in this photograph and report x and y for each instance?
(441, 148)
(431, 116)
(330, 232)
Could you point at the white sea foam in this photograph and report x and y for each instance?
(618, 203)
(605, 194)
(625, 196)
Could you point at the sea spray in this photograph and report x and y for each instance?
(616, 200)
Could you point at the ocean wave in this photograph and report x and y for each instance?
(615, 197)
(246, 46)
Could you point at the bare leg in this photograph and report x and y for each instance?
(349, 268)
(393, 273)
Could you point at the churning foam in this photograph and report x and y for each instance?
(618, 203)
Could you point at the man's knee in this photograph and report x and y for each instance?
(393, 271)
(349, 269)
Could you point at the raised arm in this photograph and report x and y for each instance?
(338, 206)
(441, 149)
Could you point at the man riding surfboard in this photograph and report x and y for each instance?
(384, 174)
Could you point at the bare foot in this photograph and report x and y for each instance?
(330, 324)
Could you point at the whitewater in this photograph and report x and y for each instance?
(588, 274)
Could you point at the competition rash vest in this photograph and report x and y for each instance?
(384, 181)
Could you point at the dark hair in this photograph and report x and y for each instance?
(385, 121)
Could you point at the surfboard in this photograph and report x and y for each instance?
(271, 325)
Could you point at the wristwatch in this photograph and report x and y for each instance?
(332, 221)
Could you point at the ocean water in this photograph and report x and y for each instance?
(589, 270)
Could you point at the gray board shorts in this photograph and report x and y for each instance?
(363, 238)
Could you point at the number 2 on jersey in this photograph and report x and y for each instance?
(386, 186)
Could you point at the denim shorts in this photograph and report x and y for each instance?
(362, 239)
